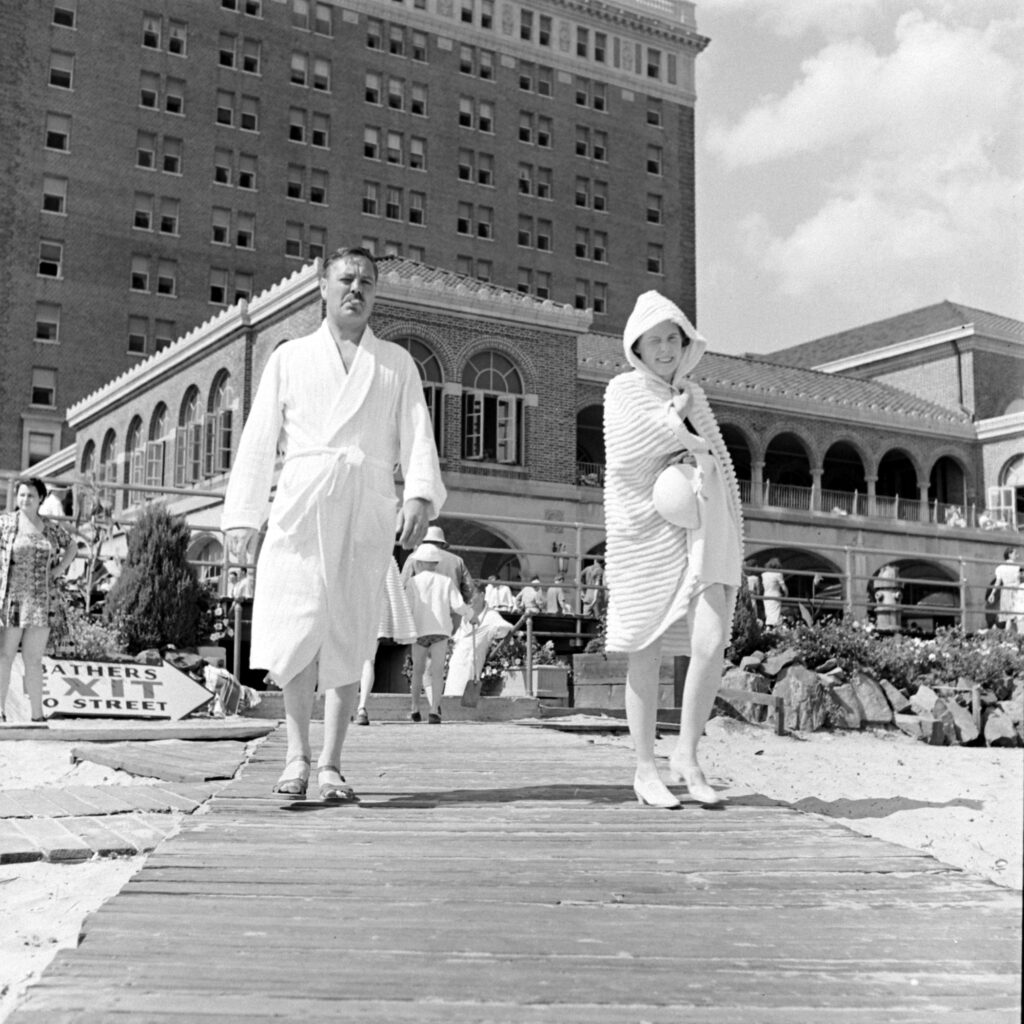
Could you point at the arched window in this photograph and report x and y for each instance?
(107, 472)
(217, 453)
(88, 459)
(188, 441)
(156, 448)
(134, 460)
(492, 409)
(433, 382)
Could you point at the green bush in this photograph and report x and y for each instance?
(158, 600)
(87, 639)
(746, 628)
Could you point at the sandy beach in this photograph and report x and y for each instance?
(963, 806)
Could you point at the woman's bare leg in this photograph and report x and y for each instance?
(642, 678)
(10, 639)
(33, 647)
(419, 663)
(435, 674)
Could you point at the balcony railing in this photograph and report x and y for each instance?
(850, 503)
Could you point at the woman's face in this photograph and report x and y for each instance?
(661, 349)
(27, 498)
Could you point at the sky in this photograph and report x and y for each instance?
(856, 159)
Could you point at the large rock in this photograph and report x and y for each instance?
(897, 698)
(872, 699)
(752, 661)
(963, 722)
(776, 662)
(804, 697)
(844, 710)
(751, 682)
(928, 730)
(928, 704)
(999, 730)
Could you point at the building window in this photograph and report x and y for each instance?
(245, 231)
(654, 159)
(321, 131)
(545, 241)
(322, 75)
(655, 260)
(64, 13)
(464, 219)
(293, 240)
(599, 247)
(484, 222)
(465, 165)
(653, 63)
(544, 186)
(164, 334)
(396, 94)
(217, 441)
(226, 46)
(417, 208)
(371, 198)
(394, 148)
(372, 88)
(581, 298)
(138, 331)
(152, 27)
(485, 117)
(600, 197)
(41, 445)
(393, 203)
(188, 441)
(47, 322)
(156, 447)
(300, 14)
(106, 472)
(58, 132)
(418, 100)
(247, 172)
(524, 232)
(485, 169)
(396, 40)
(526, 179)
(225, 108)
(172, 155)
(169, 216)
(432, 377)
(654, 113)
(44, 386)
(222, 166)
(167, 278)
(134, 460)
(526, 25)
(250, 119)
(177, 37)
(140, 274)
(419, 47)
(253, 8)
(323, 23)
(600, 146)
(544, 131)
(62, 67)
(174, 96)
(544, 30)
(243, 285)
(318, 186)
(418, 153)
(55, 194)
(221, 225)
(149, 90)
(374, 34)
(51, 259)
(250, 56)
(492, 401)
(218, 286)
(296, 125)
(600, 294)
(145, 150)
(542, 285)
(417, 253)
(300, 69)
(371, 143)
(316, 248)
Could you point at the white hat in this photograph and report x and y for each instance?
(427, 553)
(675, 498)
(434, 535)
(651, 309)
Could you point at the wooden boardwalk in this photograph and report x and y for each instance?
(501, 874)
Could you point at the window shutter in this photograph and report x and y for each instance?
(472, 425)
(506, 429)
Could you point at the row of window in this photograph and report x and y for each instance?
(144, 335)
(395, 93)
(394, 203)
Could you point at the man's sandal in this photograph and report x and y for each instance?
(293, 781)
(331, 791)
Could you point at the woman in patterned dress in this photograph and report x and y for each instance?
(34, 554)
(672, 588)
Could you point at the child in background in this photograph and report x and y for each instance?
(432, 599)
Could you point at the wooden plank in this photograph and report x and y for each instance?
(74, 730)
(182, 761)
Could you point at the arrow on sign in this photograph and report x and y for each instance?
(108, 689)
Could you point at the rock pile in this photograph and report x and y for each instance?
(829, 697)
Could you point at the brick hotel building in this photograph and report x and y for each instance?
(164, 158)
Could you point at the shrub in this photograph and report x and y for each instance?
(157, 600)
(746, 628)
(87, 639)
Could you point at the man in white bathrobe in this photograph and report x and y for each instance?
(345, 408)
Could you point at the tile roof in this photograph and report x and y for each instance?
(756, 379)
(918, 323)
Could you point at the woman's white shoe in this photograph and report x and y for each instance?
(696, 785)
(654, 793)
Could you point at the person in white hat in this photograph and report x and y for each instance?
(432, 598)
(450, 565)
(674, 553)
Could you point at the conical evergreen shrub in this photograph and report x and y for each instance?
(746, 629)
(158, 599)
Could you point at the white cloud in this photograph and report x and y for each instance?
(909, 163)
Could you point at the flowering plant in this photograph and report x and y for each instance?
(511, 654)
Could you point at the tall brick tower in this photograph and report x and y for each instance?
(163, 159)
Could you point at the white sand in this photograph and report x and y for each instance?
(963, 806)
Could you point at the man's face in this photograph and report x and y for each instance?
(349, 289)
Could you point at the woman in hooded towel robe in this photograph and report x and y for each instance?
(345, 408)
(672, 588)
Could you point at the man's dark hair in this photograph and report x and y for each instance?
(349, 252)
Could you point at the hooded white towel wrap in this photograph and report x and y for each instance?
(653, 568)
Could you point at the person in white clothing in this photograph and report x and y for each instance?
(344, 408)
(531, 597)
(673, 570)
(1010, 588)
(472, 642)
(555, 602)
(773, 590)
(432, 598)
(498, 595)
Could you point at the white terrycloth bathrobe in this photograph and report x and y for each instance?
(320, 575)
(654, 569)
